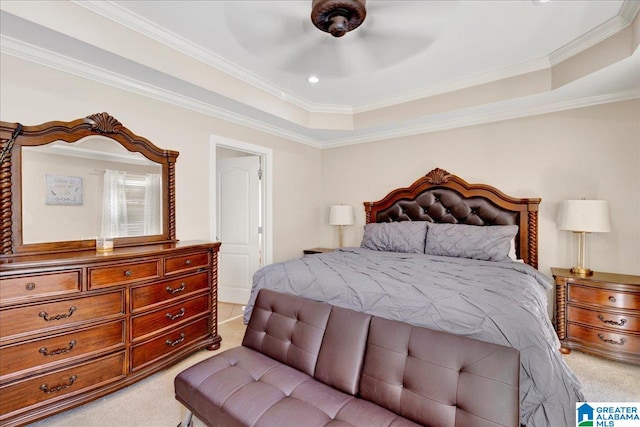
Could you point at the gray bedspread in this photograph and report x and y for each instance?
(498, 302)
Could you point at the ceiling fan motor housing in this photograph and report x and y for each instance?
(338, 17)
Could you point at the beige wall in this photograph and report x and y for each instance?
(49, 223)
(590, 152)
(33, 94)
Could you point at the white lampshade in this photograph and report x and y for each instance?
(591, 216)
(341, 215)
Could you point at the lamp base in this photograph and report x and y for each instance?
(581, 271)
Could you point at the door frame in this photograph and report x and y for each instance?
(266, 155)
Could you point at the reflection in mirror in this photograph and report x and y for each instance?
(92, 188)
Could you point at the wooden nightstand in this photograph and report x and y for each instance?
(598, 314)
(317, 251)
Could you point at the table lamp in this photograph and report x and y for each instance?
(582, 217)
(341, 215)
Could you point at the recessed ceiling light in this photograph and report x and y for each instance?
(313, 79)
(540, 1)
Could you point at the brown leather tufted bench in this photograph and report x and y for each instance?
(307, 363)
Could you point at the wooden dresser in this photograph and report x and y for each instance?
(79, 325)
(599, 314)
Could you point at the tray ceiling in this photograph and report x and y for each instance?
(411, 67)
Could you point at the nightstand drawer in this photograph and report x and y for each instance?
(598, 314)
(603, 297)
(629, 343)
(604, 319)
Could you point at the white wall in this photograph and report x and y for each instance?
(590, 152)
(32, 94)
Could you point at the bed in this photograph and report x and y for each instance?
(451, 256)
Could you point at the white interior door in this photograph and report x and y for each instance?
(238, 185)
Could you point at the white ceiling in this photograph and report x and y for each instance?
(403, 52)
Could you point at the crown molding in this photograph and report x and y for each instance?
(139, 24)
(629, 10)
(625, 17)
(507, 113)
(67, 150)
(26, 51)
(122, 16)
(460, 84)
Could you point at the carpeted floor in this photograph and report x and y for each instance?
(605, 380)
(150, 403)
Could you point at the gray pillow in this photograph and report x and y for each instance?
(403, 236)
(487, 243)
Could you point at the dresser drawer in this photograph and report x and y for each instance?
(184, 263)
(604, 319)
(114, 275)
(144, 296)
(16, 289)
(166, 344)
(172, 315)
(21, 395)
(47, 352)
(55, 315)
(620, 342)
(603, 297)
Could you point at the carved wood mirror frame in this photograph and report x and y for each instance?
(14, 136)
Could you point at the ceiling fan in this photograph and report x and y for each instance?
(337, 17)
(281, 35)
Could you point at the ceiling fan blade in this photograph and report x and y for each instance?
(388, 50)
(319, 56)
(432, 7)
(283, 23)
(287, 38)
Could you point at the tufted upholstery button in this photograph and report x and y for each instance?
(433, 203)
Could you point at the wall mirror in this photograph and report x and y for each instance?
(66, 183)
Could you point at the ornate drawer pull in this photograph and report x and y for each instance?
(612, 299)
(45, 352)
(176, 290)
(621, 342)
(46, 317)
(176, 316)
(30, 286)
(612, 322)
(188, 262)
(48, 390)
(128, 273)
(176, 342)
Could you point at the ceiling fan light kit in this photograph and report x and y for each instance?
(338, 17)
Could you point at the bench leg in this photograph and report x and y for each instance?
(187, 420)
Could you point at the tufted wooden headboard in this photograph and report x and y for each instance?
(442, 197)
